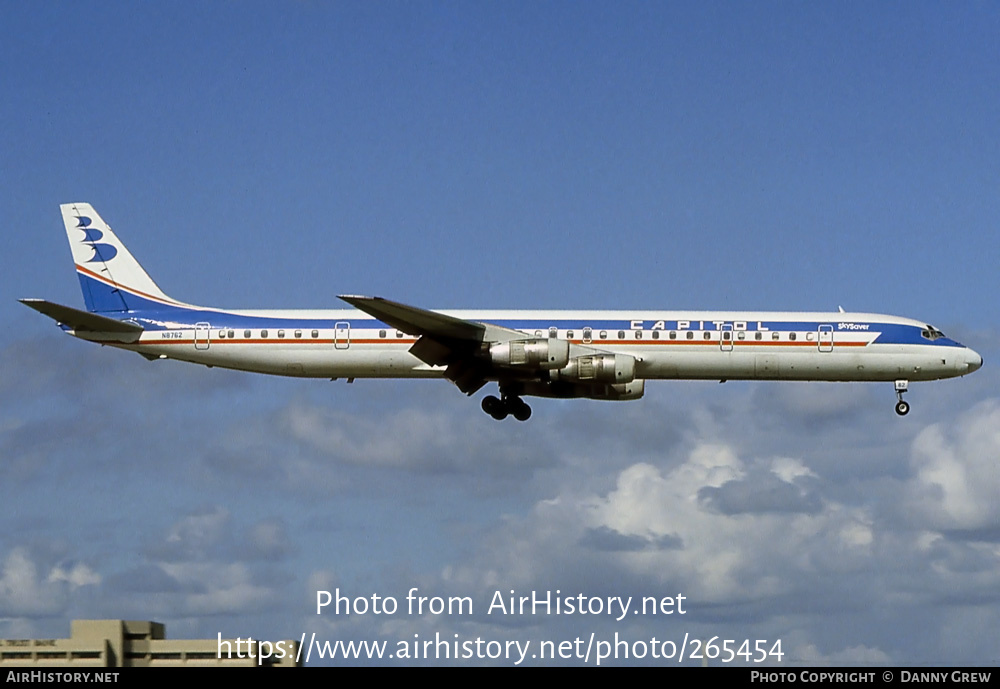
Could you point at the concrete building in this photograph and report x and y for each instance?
(121, 643)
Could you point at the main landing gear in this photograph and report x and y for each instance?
(902, 408)
(500, 407)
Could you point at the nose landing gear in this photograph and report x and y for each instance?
(902, 408)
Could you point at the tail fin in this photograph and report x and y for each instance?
(112, 280)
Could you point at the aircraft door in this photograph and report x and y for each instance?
(726, 338)
(201, 335)
(826, 338)
(342, 335)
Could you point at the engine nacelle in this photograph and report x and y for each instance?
(566, 390)
(598, 368)
(545, 354)
(621, 392)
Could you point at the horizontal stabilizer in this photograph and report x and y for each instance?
(84, 322)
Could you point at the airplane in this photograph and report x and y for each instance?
(600, 355)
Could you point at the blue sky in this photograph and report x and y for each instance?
(509, 155)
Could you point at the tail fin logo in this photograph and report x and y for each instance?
(91, 236)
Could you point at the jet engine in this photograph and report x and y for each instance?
(545, 354)
(598, 368)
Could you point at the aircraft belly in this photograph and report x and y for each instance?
(392, 364)
(873, 363)
(842, 365)
(300, 360)
(698, 364)
(811, 364)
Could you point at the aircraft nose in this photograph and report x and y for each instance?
(973, 361)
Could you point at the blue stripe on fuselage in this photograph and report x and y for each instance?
(153, 315)
(174, 318)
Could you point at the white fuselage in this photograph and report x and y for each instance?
(665, 344)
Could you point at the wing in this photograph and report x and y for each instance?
(460, 345)
(474, 353)
(419, 322)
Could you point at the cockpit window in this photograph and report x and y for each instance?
(931, 333)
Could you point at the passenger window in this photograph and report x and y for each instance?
(569, 334)
(776, 336)
(315, 333)
(399, 334)
(553, 333)
(690, 334)
(298, 333)
(604, 334)
(673, 334)
(638, 334)
(791, 336)
(246, 334)
(281, 333)
(758, 336)
(621, 334)
(381, 333)
(538, 333)
(263, 333)
(656, 334)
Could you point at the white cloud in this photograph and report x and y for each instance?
(30, 586)
(213, 588)
(428, 440)
(76, 576)
(198, 531)
(958, 472)
(725, 557)
(656, 526)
